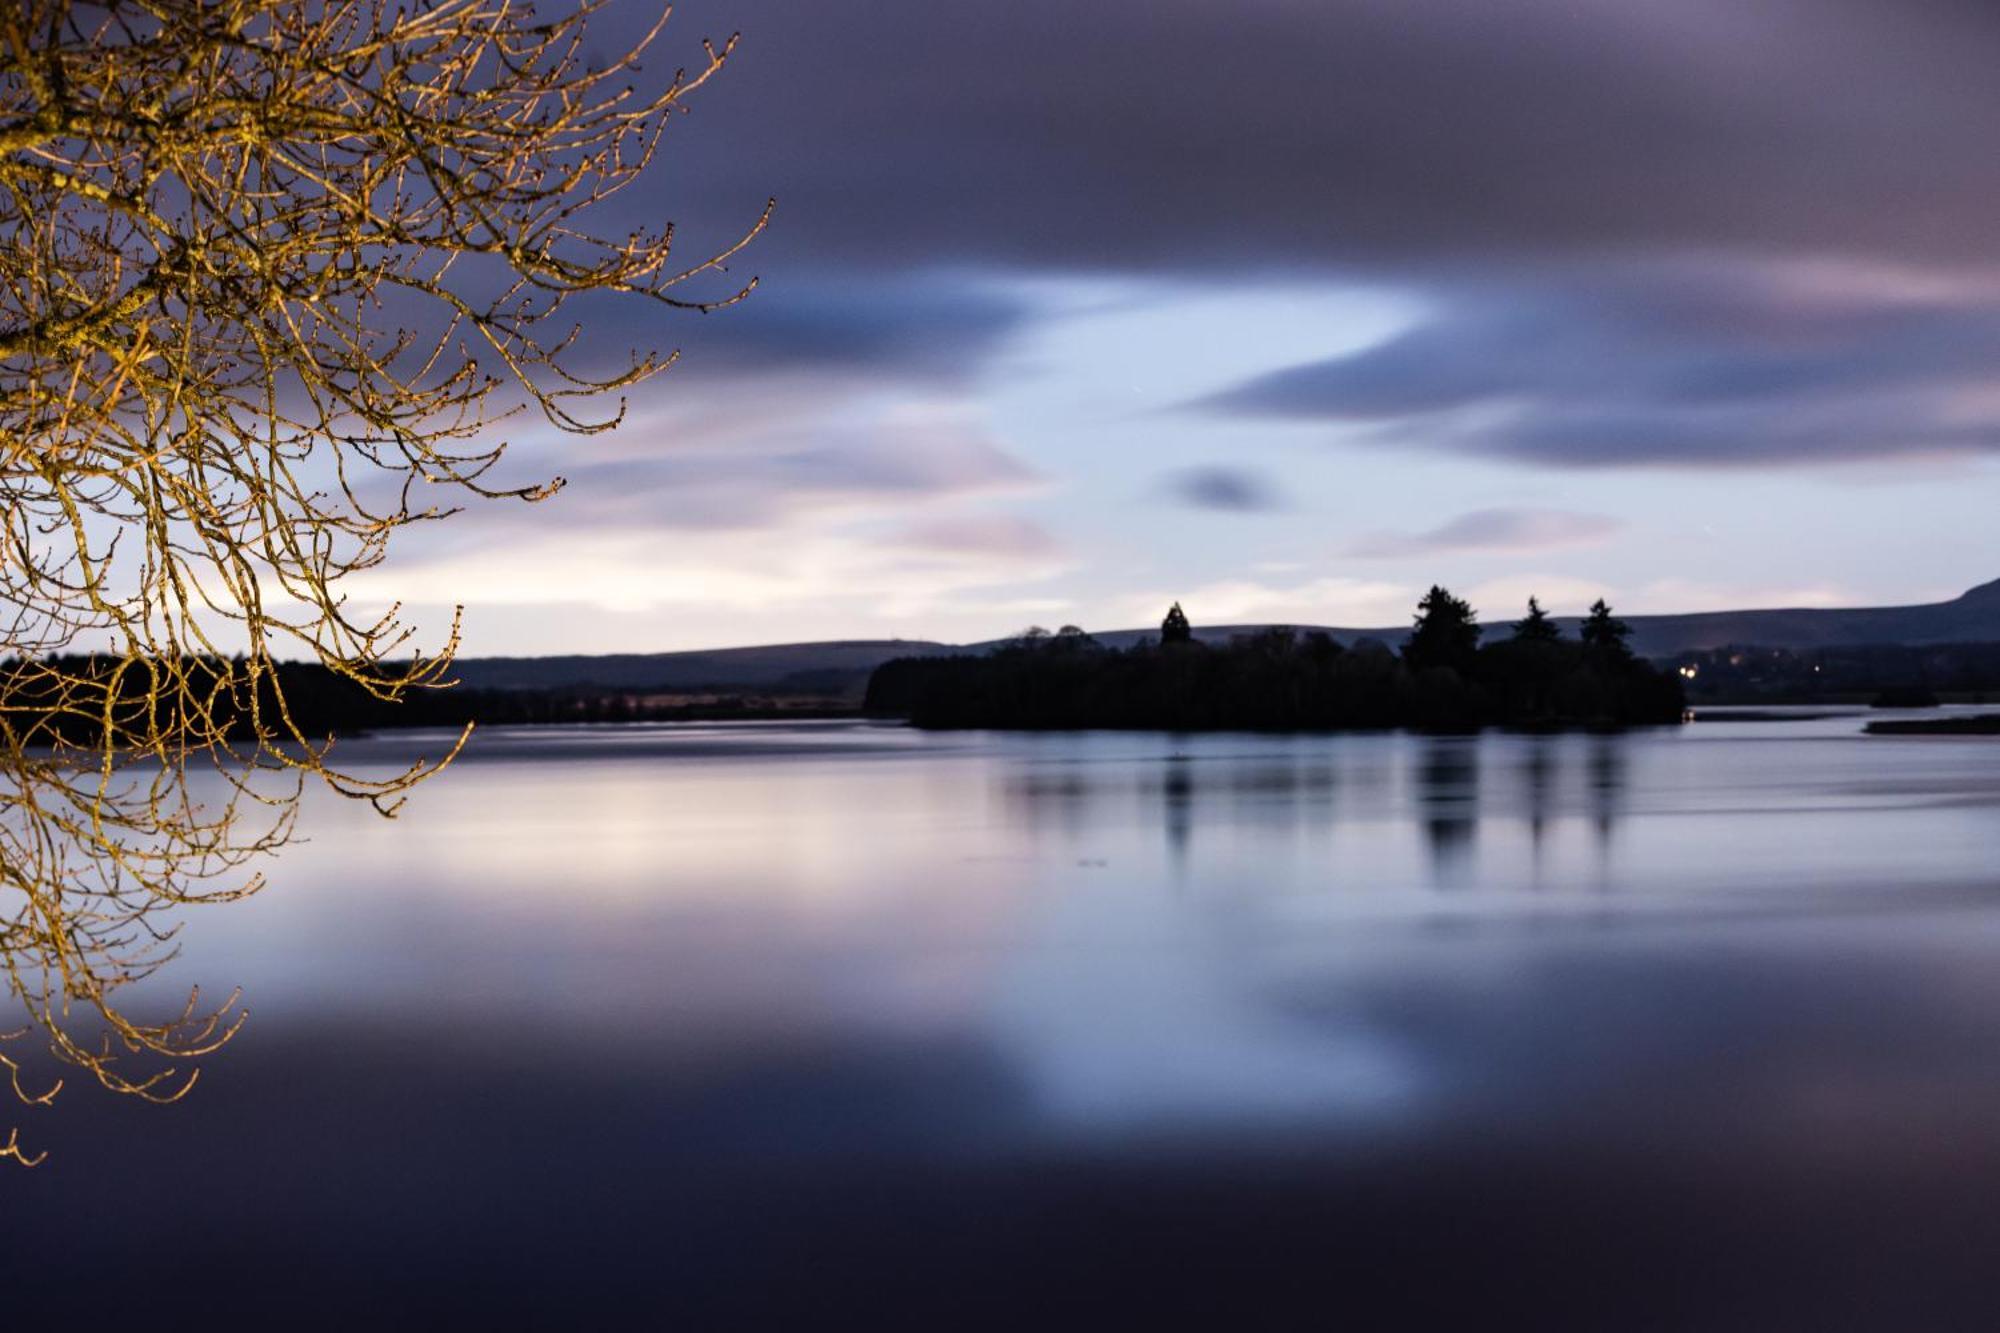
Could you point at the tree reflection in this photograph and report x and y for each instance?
(1177, 796)
(1539, 774)
(1608, 776)
(1058, 798)
(1448, 792)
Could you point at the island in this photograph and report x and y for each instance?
(1443, 679)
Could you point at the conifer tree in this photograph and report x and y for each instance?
(1605, 635)
(1538, 626)
(1446, 633)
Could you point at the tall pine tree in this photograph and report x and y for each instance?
(1446, 633)
(1538, 626)
(1605, 635)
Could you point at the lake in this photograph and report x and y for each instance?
(740, 1024)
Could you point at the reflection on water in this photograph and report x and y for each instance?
(1265, 786)
(1450, 778)
(1177, 808)
(1607, 784)
(1538, 775)
(687, 1009)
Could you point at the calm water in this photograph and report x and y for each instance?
(1695, 1029)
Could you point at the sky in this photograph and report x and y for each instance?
(1286, 309)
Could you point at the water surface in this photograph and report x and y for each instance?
(1684, 1028)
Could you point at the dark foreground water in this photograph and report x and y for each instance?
(779, 1026)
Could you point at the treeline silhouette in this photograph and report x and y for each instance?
(73, 699)
(1852, 673)
(1443, 679)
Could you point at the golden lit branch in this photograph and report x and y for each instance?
(271, 271)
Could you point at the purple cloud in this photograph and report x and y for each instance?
(1685, 364)
(999, 535)
(1049, 133)
(1237, 490)
(1492, 531)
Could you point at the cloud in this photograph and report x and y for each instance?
(1549, 174)
(1237, 490)
(1709, 234)
(706, 456)
(1501, 601)
(923, 326)
(749, 488)
(1345, 602)
(806, 499)
(980, 535)
(1052, 133)
(804, 567)
(1492, 531)
(1682, 364)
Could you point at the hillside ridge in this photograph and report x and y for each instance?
(841, 666)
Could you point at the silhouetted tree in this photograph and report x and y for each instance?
(1175, 628)
(1320, 646)
(1538, 626)
(1446, 633)
(1605, 635)
(1072, 639)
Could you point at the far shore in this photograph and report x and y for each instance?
(1985, 724)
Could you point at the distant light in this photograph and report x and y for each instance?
(1689, 672)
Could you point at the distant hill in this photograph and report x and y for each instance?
(1973, 617)
(834, 668)
(841, 667)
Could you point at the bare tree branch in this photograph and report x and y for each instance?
(271, 273)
